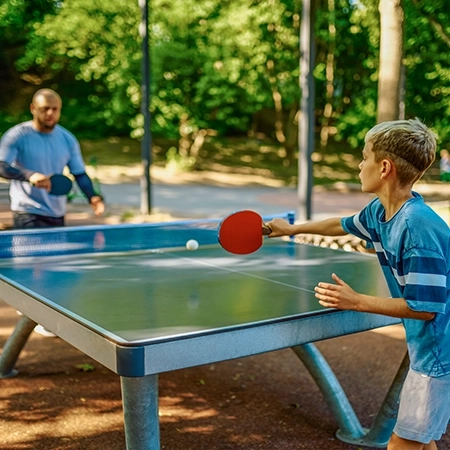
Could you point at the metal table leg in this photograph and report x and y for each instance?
(140, 410)
(383, 425)
(14, 346)
(331, 389)
(350, 430)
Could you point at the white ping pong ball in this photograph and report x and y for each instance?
(192, 244)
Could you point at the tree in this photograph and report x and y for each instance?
(225, 66)
(428, 65)
(89, 51)
(329, 73)
(17, 20)
(391, 53)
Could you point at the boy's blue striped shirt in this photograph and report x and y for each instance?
(413, 250)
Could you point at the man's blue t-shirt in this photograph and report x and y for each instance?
(413, 249)
(49, 153)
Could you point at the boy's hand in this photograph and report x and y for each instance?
(339, 295)
(280, 227)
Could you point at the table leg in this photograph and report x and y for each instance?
(350, 430)
(14, 346)
(140, 410)
(383, 425)
(331, 389)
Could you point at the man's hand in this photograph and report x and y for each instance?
(40, 181)
(97, 205)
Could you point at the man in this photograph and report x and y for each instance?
(33, 151)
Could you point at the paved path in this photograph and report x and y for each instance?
(217, 201)
(202, 200)
(199, 200)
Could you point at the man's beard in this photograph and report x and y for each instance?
(45, 126)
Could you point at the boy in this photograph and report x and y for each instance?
(412, 245)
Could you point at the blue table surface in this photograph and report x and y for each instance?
(153, 295)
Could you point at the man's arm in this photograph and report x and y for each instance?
(96, 201)
(37, 179)
(327, 227)
(342, 296)
(13, 173)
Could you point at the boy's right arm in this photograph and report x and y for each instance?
(327, 227)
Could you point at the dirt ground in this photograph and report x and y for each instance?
(265, 402)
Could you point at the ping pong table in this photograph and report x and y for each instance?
(134, 299)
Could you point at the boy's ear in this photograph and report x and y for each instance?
(387, 168)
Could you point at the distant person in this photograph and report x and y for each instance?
(33, 151)
(413, 247)
(444, 166)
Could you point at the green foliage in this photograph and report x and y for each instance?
(227, 66)
(427, 65)
(209, 62)
(177, 162)
(17, 21)
(90, 51)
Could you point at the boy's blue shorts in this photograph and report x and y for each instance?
(424, 411)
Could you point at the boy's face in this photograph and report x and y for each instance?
(369, 170)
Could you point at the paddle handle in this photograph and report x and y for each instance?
(266, 229)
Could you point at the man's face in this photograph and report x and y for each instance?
(46, 112)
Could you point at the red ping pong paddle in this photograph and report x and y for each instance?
(242, 232)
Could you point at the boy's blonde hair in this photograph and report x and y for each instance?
(409, 144)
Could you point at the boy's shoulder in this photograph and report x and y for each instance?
(415, 214)
(424, 227)
(416, 209)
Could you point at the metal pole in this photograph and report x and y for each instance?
(14, 345)
(140, 409)
(326, 380)
(146, 144)
(381, 430)
(306, 121)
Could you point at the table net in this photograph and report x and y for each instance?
(111, 238)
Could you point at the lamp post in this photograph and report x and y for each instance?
(146, 144)
(306, 121)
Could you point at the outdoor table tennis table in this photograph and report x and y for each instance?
(134, 299)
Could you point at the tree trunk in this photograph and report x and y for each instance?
(328, 110)
(277, 101)
(391, 53)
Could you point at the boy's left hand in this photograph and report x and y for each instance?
(339, 295)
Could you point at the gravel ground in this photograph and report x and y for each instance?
(265, 402)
